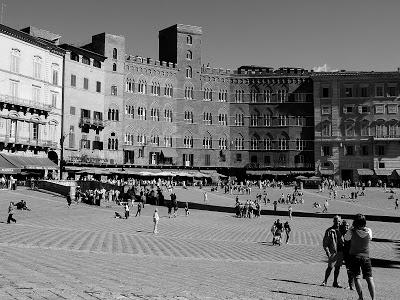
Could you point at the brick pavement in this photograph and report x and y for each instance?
(84, 253)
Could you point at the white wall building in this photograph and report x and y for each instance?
(31, 79)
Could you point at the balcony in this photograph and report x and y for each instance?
(11, 100)
(96, 123)
(30, 142)
(391, 137)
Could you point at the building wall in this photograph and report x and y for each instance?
(28, 110)
(360, 137)
(146, 136)
(77, 98)
(105, 44)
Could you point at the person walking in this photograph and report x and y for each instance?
(290, 210)
(126, 211)
(287, 229)
(326, 204)
(205, 196)
(360, 237)
(139, 209)
(10, 213)
(333, 244)
(156, 218)
(396, 204)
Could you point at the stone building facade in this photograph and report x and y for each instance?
(31, 79)
(357, 130)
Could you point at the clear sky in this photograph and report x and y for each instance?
(344, 34)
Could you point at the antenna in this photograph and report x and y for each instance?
(3, 5)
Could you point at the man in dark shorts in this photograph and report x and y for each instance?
(360, 237)
(333, 245)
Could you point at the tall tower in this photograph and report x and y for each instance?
(181, 44)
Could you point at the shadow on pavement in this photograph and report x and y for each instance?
(297, 294)
(294, 281)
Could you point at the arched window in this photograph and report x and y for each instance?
(189, 72)
(189, 92)
(189, 40)
(109, 144)
(109, 114)
(115, 53)
(189, 55)
(114, 67)
(142, 86)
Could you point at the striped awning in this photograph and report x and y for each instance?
(365, 172)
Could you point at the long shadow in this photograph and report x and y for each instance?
(385, 263)
(294, 281)
(297, 294)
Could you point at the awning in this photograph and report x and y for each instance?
(213, 173)
(169, 152)
(397, 172)
(256, 172)
(327, 172)
(383, 172)
(31, 162)
(365, 172)
(94, 171)
(7, 167)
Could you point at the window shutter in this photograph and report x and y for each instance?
(360, 109)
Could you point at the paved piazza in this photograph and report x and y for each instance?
(82, 252)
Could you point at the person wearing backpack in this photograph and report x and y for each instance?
(333, 244)
(360, 237)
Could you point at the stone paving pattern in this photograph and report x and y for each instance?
(82, 252)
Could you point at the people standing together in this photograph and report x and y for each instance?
(351, 246)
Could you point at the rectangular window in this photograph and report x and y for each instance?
(35, 131)
(364, 91)
(114, 91)
(72, 110)
(325, 110)
(55, 77)
(73, 80)
(98, 86)
(349, 150)
(325, 92)
(348, 109)
(238, 157)
(348, 92)
(54, 99)
(381, 165)
(37, 67)
(381, 150)
(86, 83)
(364, 150)
(326, 151)
(267, 160)
(14, 87)
(391, 91)
(36, 94)
(380, 109)
(379, 91)
(207, 160)
(392, 108)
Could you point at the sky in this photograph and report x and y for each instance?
(358, 35)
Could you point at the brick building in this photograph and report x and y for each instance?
(357, 133)
(125, 110)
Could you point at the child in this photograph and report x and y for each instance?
(156, 218)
